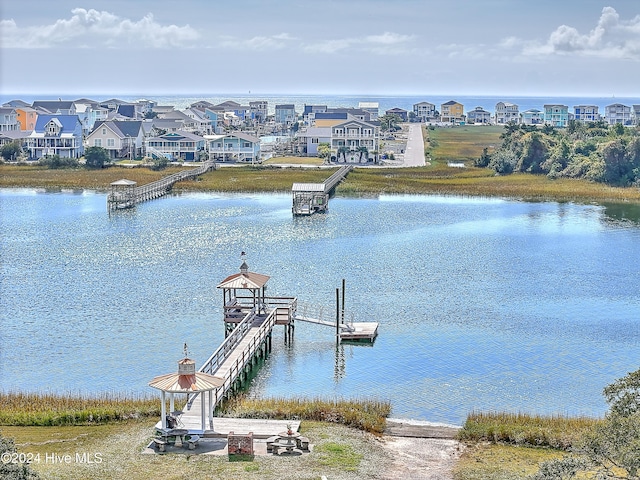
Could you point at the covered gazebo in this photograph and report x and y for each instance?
(186, 381)
(235, 306)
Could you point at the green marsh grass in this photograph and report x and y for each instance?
(463, 143)
(367, 415)
(555, 431)
(43, 409)
(437, 178)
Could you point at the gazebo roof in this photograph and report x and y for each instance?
(124, 182)
(175, 383)
(186, 380)
(248, 281)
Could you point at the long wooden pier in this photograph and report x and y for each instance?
(309, 198)
(125, 193)
(249, 321)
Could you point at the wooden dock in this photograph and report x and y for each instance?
(249, 321)
(125, 193)
(309, 198)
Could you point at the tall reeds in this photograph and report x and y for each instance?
(46, 409)
(556, 431)
(368, 415)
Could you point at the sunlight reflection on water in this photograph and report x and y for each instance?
(482, 303)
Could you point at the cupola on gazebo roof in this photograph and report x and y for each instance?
(245, 279)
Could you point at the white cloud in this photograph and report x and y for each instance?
(610, 38)
(86, 28)
(386, 43)
(259, 42)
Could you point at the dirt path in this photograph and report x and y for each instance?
(421, 452)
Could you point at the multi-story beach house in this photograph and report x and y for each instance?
(506, 113)
(27, 118)
(180, 145)
(311, 137)
(479, 115)
(373, 108)
(556, 115)
(452, 112)
(354, 140)
(635, 114)
(286, 114)
(56, 135)
(234, 147)
(400, 112)
(586, 113)
(122, 139)
(258, 110)
(617, 113)
(533, 116)
(424, 111)
(309, 113)
(9, 119)
(58, 107)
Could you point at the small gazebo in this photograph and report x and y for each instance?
(236, 306)
(122, 194)
(186, 381)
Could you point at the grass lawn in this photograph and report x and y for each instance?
(341, 453)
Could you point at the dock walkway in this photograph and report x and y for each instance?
(230, 362)
(125, 194)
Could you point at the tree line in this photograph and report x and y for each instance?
(593, 151)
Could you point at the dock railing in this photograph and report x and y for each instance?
(229, 345)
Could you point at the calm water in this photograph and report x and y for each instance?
(482, 303)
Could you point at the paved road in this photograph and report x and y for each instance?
(414, 153)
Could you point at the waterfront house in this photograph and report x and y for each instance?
(424, 111)
(452, 112)
(56, 135)
(26, 117)
(586, 113)
(9, 119)
(258, 110)
(286, 114)
(373, 108)
(506, 113)
(403, 114)
(122, 139)
(311, 138)
(14, 136)
(176, 146)
(556, 115)
(635, 114)
(57, 107)
(202, 105)
(16, 103)
(350, 138)
(201, 124)
(617, 113)
(89, 112)
(479, 115)
(533, 116)
(216, 119)
(233, 147)
(309, 113)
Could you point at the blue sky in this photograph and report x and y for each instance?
(459, 47)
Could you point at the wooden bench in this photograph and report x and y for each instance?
(192, 441)
(159, 444)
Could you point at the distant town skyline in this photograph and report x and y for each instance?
(368, 47)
